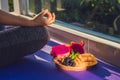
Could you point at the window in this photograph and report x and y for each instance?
(11, 5)
(96, 15)
(35, 6)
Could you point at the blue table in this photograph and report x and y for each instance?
(39, 66)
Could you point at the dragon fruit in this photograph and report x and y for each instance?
(60, 51)
(78, 47)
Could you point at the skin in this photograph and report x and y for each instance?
(38, 20)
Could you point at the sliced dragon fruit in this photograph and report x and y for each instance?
(60, 51)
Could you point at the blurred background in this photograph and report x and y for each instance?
(98, 15)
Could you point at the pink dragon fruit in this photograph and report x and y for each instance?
(60, 51)
(78, 47)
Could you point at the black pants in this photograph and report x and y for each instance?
(21, 41)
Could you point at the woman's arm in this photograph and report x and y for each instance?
(39, 20)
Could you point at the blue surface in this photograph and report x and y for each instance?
(39, 66)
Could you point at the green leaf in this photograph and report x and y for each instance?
(118, 1)
(72, 57)
(93, 5)
(72, 53)
(81, 3)
(62, 60)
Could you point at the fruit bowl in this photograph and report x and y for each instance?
(69, 68)
(72, 57)
(82, 62)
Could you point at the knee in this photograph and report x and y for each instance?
(42, 35)
(39, 35)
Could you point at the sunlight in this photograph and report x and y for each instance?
(41, 59)
(46, 49)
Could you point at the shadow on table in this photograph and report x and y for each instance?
(105, 70)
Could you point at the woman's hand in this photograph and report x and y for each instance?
(41, 20)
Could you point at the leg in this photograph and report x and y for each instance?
(21, 41)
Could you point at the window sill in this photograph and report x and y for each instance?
(88, 34)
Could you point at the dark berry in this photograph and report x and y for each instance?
(68, 62)
(72, 64)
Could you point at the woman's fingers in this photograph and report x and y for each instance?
(44, 12)
(53, 16)
(51, 19)
(47, 20)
